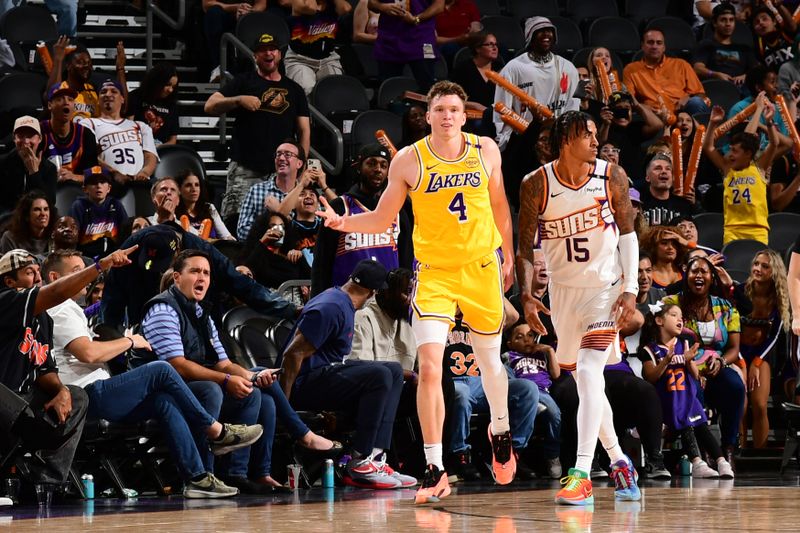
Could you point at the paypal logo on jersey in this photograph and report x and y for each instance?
(449, 181)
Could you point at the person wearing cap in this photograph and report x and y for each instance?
(268, 108)
(313, 26)
(290, 159)
(718, 57)
(57, 412)
(219, 17)
(125, 147)
(182, 333)
(336, 253)
(98, 214)
(616, 125)
(665, 84)
(23, 169)
(407, 36)
(316, 375)
(70, 146)
(547, 77)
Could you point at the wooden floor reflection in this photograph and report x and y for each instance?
(701, 506)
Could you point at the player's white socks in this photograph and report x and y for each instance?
(595, 418)
(433, 455)
(493, 378)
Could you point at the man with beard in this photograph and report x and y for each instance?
(659, 204)
(70, 146)
(337, 253)
(547, 77)
(124, 147)
(268, 108)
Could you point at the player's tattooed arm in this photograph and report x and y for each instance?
(621, 200)
(531, 197)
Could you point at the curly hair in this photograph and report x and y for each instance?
(654, 235)
(20, 226)
(567, 127)
(780, 296)
(686, 299)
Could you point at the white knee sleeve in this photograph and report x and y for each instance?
(493, 378)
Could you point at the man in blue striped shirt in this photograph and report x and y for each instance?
(181, 332)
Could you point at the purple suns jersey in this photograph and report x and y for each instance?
(677, 389)
(531, 366)
(354, 247)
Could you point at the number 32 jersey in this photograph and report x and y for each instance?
(121, 143)
(453, 218)
(577, 231)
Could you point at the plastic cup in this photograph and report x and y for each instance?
(44, 494)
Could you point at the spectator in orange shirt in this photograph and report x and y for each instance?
(665, 84)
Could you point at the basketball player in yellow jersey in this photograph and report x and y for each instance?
(578, 207)
(745, 183)
(461, 219)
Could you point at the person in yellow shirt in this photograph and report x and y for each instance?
(744, 177)
(462, 222)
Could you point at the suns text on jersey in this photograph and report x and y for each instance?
(449, 181)
(119, 137)
(571, 224)
(356, 241)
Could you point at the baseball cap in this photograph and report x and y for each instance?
(57, 89)
(15, 259)
(370, 274)
(372, 150)
(27, 121)
(267, 40)
(619, 96)
(96, 174)
(534, 24)
(157, 248)
(111, 83)
(635, 195)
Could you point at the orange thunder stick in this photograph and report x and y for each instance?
(44, 55)
(386, 142)
(521, 95)
(205, 229)
(787, 119)
(677, 162)
(738, 118)
(605, 83)
(796, 14)
(510, 117)
(694, 159)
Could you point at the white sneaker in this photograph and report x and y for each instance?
(554, 468)
(724, 468)
(701, 470)
(215, 75)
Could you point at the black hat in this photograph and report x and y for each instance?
(370, 274)
(372, 150)
(619, 96)
(267, 39)
(157, 248)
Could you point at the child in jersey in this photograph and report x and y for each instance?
(99, 215)
(668, 363)
(744, 176)
(537, 362)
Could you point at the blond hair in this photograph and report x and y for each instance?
(780, 298)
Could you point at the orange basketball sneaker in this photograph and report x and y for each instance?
(435, 486)
(577, 489)
(504, 464)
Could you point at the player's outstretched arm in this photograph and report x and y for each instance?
(500, 209)
(531, 195)
(404, 165)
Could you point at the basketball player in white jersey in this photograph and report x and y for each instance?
(125, 147)
(581, 209)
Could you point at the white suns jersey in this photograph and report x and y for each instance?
(121, 143)
(577, 231)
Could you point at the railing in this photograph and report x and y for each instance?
(176, 24)
(316, 116)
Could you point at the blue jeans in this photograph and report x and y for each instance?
(551, 418)
(66, 12)
(523, 400)
(696, 104)
(156, 390)
(725, 393)
(225, 408)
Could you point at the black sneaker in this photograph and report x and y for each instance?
(461, 467)
(434, 486)
(654, 468)
(246, 486)
(524, 472)
(504, 464)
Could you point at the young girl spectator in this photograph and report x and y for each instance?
(155, 102)
(713, 322)
(196, 214)
(763, 304)
(31, 227)
(663, 244)
(668, 363)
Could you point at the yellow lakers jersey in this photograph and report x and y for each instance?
(745, 205)
(453, 219)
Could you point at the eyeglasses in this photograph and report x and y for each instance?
(490, 45)
(287, 155)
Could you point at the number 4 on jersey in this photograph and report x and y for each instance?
(458, 207)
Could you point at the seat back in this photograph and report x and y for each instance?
(710, 227)
(641, 10)
(28, 24)
(66, 194)
(256, 345)
(615, 33)
(570, 38)
(507, 30)
(393, 88)
(739, 254)
(582, 10)
(237, 316)
(722, 93)
(523, 9)
(280, 332)
(783, 229)
(367, 123)
(678, 35)
(488, 7)
(339, 93)
(175, 158)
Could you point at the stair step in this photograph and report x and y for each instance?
(116, 21)
(120, 36)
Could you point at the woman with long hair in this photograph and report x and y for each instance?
(615, 80)
(31, 226)
(155, 102)
(664, 244)
(195, 213)
(763, 304)
(713, 323)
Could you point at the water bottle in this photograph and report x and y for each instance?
(327, 474)
(88, 486)
(685, 466)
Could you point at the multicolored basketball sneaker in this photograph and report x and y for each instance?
(577, 489)
(435, 486)
(504, 464)
(625, 477)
